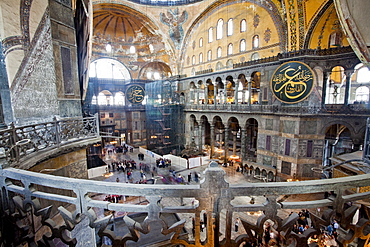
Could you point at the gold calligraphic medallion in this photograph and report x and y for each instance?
(135, 94)
(292, 82)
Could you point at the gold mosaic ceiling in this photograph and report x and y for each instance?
(117, 22)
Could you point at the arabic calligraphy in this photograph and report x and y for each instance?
(292, 82)
(135, 94)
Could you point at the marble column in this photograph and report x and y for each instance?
(234, 142)
(206, 95)
(191, 132)
(196, 135)
(6, 112)
(250, 91)
(212, 141)
(236, 92)
(347, 92)
(324, 88)
(201, 135)
(226, 144)
(197, 96)
(243, 141)
(215, 91)
(225, 93)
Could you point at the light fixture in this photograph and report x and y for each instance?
(234, 157)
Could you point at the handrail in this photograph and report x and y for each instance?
(214, 194)
(281, 109)
(20, 141)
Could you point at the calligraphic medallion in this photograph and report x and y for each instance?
(292, 82)
(135, 94)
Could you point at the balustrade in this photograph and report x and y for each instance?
(17, 142)
(269, 203)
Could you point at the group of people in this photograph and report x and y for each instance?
(162, 162)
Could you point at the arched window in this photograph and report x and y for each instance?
(255, 56)
(108, 68)
(102, 100)
(209, 55)
(201, 42)
(119, 99)
(230, 49)
(201, 58)
(230, 27)
(210, 35)
(242, 46)
(362, 94)
(255, 41)
(363, 75)
(219, 52)
(193, 60)
(219, 32)
(94, 100)
(151, 48)
(243, 26)
(105, 98)
(132, 49)
(108, 48)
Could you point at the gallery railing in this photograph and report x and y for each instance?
(18, 142)
(27, 198)
(276, 109)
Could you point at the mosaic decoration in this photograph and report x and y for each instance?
(292, 82)
(267, 35)
(256, 20)
(323, 28)
(25, 18)
(10, 42)
(174, 20)
(301, 23)
(292, 25)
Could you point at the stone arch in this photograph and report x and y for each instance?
(219, 133)
(201, 92)
(338, 140)
(251, 133)
(230, 89)
(155, 71)
(314, 23)
(233, 141)
(257, 171)
(270, 176)
(110, 68)
(210, 91)
(105, 97)
(220, 87)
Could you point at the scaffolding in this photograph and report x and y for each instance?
(164, 118)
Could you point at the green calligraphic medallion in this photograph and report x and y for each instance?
(135, 94)
(292, 82)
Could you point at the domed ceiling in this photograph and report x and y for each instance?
(117, 23)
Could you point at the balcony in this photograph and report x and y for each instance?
(19, 145)
(281, 109)
(27, 205)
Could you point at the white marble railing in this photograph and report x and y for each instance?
(25, 193)
(18, 142)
